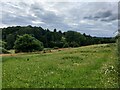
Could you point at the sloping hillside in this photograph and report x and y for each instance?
(92, 66)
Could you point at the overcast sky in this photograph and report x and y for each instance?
(94, 18)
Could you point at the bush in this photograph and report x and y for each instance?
(27, 43)
(53, 44)
(56, 47)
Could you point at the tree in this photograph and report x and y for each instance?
(73, 37)
(10, 41)
(27, 43)
(51, 38)
(55, 30)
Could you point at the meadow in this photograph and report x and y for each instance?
(93, 66)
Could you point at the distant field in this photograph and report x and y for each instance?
(92, 66)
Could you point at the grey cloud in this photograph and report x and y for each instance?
(45, 15)
(48, 17)
(111, 18)
(103, 16)
(14, 18)
(63, 16)
(89, 17)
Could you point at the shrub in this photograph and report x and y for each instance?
(56, 47)
(27, 43)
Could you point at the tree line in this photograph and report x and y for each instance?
(51, 39)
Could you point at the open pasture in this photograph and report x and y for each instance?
(93, 66)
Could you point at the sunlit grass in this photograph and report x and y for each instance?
(85, 67)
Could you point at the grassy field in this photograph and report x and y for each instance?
(118, 45)
(92, 66)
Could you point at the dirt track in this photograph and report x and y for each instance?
(7, 54)
(51, 51)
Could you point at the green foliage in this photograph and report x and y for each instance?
(74, 44)
(3, 51)
(118, 51)
(73, 37)
(27, 43)
(66, 45)
(55, 47)
(118, 43)
(51, 38)
(56, 44)
(3, 44)
(10, 39)
(3, 47)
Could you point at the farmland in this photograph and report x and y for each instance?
(93, 66)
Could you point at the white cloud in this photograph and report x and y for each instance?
(37, 22)
(88, 17)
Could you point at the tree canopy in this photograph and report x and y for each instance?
(27, 43)
(51, 39)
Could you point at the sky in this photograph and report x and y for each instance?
(97, 18)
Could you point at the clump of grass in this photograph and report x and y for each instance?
(71, 57)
